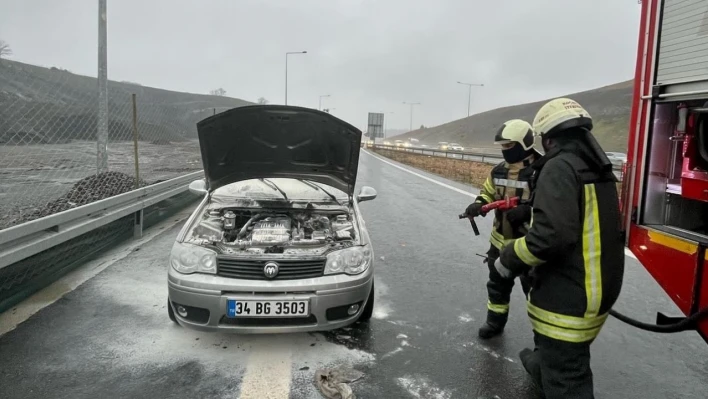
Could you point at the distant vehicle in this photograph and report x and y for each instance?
(398, 143)
(443, 145)
(386, 142)
(456, 147)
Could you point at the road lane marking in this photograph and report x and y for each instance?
(268, 372)
(627, 252)
(11, 318)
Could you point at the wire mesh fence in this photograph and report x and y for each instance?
(49, 151)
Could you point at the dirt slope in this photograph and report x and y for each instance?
(609, 106)
(50, 105)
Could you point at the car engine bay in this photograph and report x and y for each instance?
(263, 231)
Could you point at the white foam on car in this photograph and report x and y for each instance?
(627, 252)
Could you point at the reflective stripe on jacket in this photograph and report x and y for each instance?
(574, 249)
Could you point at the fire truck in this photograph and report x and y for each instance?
(664, 197)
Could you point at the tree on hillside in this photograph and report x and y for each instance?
(218, 92)
(262, 101)
(5, 50)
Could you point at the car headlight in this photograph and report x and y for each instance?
(354, 260)
(188, 259)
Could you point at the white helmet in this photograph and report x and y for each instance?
(517, 131)
(560, 114)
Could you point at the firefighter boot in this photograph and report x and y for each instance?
(531, 361)
(494, 325)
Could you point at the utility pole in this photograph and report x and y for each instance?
(469, 93)
(286, 71)
(102, 125)
(411, 104)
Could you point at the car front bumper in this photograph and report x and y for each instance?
(205, 299)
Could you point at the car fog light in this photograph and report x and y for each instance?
(353, 309)
(181, 311)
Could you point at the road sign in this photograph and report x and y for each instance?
(376, 123)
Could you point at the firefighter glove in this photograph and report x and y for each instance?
(503, 271)
(519, 215)
(474, 209)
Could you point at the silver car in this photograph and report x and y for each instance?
(278, 243)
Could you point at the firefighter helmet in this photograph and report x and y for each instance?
(560, 114)
(517, 131)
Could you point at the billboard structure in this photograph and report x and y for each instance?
(376, 123)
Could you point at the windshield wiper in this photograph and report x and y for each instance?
(317, 186)
(274, 187)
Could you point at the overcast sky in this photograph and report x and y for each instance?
(369, 55)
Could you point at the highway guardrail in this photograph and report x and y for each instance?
(30, 238)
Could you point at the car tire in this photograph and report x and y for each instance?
(171, 312)
(369, 308)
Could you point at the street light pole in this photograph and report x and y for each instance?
(469, 93)
(286, 71)
(411, 104)
(386, 123)
(320, 106)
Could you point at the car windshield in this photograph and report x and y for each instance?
(270, 189)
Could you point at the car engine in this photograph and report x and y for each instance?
(243, 230)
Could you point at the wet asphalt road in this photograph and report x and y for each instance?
(111, 336)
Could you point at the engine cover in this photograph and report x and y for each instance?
(271, 231)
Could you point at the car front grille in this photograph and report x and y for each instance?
(289, 269)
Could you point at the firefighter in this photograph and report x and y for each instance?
(573, 248)
(508, 179)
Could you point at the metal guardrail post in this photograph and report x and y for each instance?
(138, 224)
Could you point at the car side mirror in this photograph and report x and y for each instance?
(366, 193)
(198, 187)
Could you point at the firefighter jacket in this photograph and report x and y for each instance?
(506, 180)
(573, 248)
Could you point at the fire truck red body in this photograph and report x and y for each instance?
(665, 181)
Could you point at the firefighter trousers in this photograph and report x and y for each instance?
(561, 369)
(499, 294)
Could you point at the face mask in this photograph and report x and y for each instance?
(514, 154)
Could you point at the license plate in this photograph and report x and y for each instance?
(237, 308)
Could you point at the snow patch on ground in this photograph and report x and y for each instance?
(393, 352)
(465, 318)
(381, 310)
(422, 388)
(488, 350)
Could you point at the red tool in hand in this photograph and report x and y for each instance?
(502, 205)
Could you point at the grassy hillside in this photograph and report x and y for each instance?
(609, 106)
(50, 105)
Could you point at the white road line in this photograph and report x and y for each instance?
(269, 370)
(627, 252)
(11, 318)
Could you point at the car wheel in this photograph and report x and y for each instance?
(369, 308)
(171, 312)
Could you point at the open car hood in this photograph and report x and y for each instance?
(262, 141)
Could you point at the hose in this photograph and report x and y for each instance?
(687, 323)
